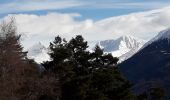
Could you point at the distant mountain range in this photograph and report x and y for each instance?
(151, 64)
(123, 47)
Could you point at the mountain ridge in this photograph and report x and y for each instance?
(151, 64)
(122, 47)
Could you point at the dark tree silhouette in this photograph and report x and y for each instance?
(86, 75)
(20, 78)
(157, 93)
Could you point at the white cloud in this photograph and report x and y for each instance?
(44, 27)
(144, 24)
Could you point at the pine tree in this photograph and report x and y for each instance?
(86, 75)
(106, 78)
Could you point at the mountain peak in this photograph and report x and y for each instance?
(165, 34)
(150, 64)
(122, 47)
(130, 41)
(127, 36)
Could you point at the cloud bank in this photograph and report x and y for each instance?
(43, 28)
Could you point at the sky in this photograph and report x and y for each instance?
(93, 9)
(42, 20)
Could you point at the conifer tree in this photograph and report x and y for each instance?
(86, 75)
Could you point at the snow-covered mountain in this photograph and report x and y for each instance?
(123, 47)
(151, 64)
(38, 52)
(165, 34)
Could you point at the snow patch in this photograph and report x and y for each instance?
(39, 53)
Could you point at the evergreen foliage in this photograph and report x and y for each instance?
(86, 75)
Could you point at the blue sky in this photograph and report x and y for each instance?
(94, 9)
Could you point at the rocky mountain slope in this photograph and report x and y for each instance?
(123, 47)
(150, 65)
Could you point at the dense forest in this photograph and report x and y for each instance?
(73, 72)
